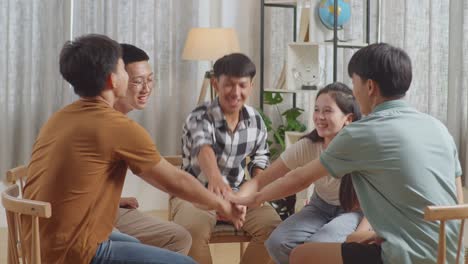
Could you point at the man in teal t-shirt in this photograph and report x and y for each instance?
(401, 160)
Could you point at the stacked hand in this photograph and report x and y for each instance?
(235, 213)
(249, 200)
(232, 212)
(219, 187)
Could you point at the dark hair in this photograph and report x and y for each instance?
(236, 65)
(132, 54)
(87, 61)
(344, 99)
(347, 195)
(388, 66)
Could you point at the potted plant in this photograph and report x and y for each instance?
(289, 122)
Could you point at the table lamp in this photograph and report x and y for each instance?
(209, 44)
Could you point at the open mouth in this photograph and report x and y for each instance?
(142, 99)
(234, 103)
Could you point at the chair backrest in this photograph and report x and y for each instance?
(17, 174)
(442, 214)
(15, 209)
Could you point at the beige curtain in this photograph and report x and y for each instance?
(32, 33)
(433, 33)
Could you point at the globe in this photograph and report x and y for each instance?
(326, 13)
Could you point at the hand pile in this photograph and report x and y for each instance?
(235, 204)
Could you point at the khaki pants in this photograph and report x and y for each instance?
(259, 223)
(153, 231)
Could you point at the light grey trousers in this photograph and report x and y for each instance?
(316, 222)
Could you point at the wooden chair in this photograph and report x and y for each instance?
(15, 208)
(223, 233)
(442, 214)
(17, 174)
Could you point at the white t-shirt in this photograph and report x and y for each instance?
(304, 151)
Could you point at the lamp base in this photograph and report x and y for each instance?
(204, 88)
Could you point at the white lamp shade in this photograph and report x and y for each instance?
(210, 43)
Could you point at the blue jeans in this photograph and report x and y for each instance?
(316, 222)
(118, 236)
(122, 248)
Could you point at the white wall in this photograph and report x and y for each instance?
(149, 198)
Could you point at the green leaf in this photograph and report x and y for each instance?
(293, 113)
(277, 135)
(272, 98)
(266, 120)
(274, 153)
(279, 138)
(295, 125)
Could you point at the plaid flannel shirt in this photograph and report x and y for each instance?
(206, 125)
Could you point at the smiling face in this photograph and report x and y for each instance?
(232, 92)
(328, 117)
(140, 84)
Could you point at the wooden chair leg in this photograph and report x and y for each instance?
(460, 240)
(12, 240)
(441, 250)
(243, 246)
(466, 256)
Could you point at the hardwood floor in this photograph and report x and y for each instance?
(3, 245)
(222, 253)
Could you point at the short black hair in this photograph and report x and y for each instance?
(132, 54)
(87, 61)
(388, 66)
(235, 65)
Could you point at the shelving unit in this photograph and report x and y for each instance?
(292, 4)
(345, 45)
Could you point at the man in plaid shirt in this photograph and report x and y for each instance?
(217, 138)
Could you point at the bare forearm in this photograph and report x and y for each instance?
(264, 177)
(364, 225)
(277, 170)
(293, 182)
(256, 171)
(288, 185)
(252, 185)
(190, 189)
(208, 164)
(361, 237)
(159, 186)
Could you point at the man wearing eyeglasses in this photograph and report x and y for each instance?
(130, 221)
